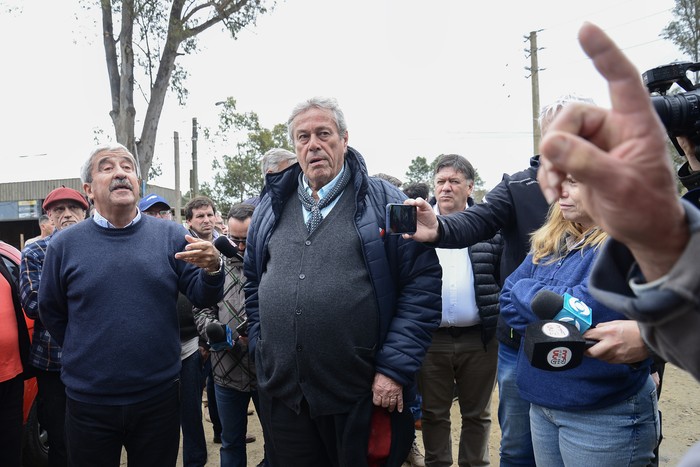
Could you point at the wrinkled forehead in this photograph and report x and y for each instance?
(314, 118)
(203, 211)
(450, 171)
(112, 155)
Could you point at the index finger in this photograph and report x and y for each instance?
(627, 92)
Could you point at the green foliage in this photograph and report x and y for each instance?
(142, 41)
(684, 32)
(478, 181)
(684, 29)
(153, 31)
(420, 171)
(238, 175)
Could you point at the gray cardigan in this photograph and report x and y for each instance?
(669, 315)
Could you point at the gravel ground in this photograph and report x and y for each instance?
(680, 405)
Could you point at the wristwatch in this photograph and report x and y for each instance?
(218, 271)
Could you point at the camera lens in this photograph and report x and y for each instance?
(679, 113)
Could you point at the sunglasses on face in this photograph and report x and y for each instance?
(237, 240)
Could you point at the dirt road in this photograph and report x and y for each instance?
(680, 405)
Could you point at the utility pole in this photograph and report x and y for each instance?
(178, 196)
(535, 82)
(194, 180)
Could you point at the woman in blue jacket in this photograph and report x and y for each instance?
(598, 413)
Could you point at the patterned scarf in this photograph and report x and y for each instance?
(313, 206)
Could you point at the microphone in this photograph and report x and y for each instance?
(220, 336)
(548, 305)
(556, 343)
(227, 248)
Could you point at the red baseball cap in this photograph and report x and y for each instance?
(64, 194)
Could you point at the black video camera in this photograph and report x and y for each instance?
(680, 113)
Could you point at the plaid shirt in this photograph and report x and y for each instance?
(45, 353)
(232, 368)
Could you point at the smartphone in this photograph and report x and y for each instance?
(242, 328)
(401, 219)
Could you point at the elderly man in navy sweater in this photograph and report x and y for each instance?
(108, 297)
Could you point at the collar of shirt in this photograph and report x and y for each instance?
(102, 222)
(436, 209)
(321, 194)
(573, 242)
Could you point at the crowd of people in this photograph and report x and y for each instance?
(347, 338)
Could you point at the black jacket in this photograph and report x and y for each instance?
(517, 207)
(485, 257)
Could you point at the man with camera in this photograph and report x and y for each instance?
(341, 338)
(232, 365)
(649, 271)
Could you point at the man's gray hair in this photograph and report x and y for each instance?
(86, 169)
(551, 110)
(325, 103)
(273, 158)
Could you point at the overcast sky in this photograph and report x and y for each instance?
(413, 78)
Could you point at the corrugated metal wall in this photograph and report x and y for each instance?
(14, 230)
(38, 189)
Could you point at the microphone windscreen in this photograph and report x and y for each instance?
(546, 304)
(215, 333)
(226, 247)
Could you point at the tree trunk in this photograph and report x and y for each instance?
(160, 87)
(120, 65)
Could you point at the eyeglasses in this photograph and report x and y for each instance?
(237, 240)
(163, 213)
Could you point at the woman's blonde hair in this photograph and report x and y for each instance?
(550, 239)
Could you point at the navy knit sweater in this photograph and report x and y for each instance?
(108, 297)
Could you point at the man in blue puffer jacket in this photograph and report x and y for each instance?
(340, 313)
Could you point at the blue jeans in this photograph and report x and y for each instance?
(623, 434)
(415, 407)
(208, 378)
(194, 444)
(233, 412)
(149, 431)
(513, 413)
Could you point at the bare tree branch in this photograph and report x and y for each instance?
(110, 54)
